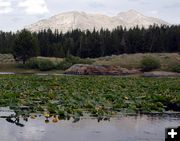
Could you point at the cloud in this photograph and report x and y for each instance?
(153, 12)
(174, 5)
(95, 4)
(140, 1)
(5, 6)
(34, 7)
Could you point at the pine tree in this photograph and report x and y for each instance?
(26, 46)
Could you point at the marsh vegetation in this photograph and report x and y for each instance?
(93, 95)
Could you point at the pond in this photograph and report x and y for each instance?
(120, 128)
(6, 73)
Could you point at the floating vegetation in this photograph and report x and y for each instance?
(75, 96)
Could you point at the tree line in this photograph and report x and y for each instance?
(93, 44)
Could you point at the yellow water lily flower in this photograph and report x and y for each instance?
(32, 116)
(126, 98)
(46, 115)
(55, 119)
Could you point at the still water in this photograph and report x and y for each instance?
(121, 128)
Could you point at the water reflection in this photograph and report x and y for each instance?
(19, 120)
(52, 127)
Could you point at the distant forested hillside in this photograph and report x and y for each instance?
(100, 43)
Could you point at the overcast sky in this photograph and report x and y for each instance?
(15, 14)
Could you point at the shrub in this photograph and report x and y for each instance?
(64, 65)
(72, 60)
(176, 68)
(46, 65)
(32, 63)
(77, 60)
(41, 64)
(149, 63)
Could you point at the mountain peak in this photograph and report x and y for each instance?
(68, 21)
(130, 12)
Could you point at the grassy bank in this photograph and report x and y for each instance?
(74, 95)
(167, 60)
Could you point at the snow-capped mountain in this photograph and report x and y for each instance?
(80, 20)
